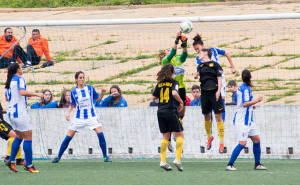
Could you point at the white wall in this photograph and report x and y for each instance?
(138, 128)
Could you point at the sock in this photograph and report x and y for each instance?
(207, 125)
(179, 147)
(102, 144)
(257, 152)
(27, 147)
(64, 146)
(235, 153)
(220, 126)
(223, 113)
(170, 136)
(163, 150)
(19, 154)
(9, 143)
(14, 148)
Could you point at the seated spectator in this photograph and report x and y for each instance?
(197, 97)
(46, 101)
(16, 53)
(65, 99)
(232, 87)
(154, 103)
(188, 101)
(115, 99)
(36, 48)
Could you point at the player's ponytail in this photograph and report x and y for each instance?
(160, 56)
(197, 40)
(246, 77)
(165, 73)
(11, 71)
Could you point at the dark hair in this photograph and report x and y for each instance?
(36, 30)
(77, 74)
(231, 83)
(209, 53)
(63, 100)
(43, 102)
(197, 40)
(165, 73)
(194, 87)
(6, 29)
(11, 71)
(117, 99)
(246, 77)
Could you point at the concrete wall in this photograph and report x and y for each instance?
(137, 128)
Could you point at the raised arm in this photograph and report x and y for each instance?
(233, 70)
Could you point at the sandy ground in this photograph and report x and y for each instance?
(75, 44)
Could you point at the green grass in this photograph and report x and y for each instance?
(288, 93)
(71, 3)
(148, 172)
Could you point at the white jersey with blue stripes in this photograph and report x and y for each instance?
(83, 98)
(243, 115)
(17, 104)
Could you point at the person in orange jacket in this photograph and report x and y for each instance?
(37, 46)
(16, 53)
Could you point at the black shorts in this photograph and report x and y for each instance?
(5, 128)
(208, 102)
(169, 122)
(182, 94)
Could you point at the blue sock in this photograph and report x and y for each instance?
(102, 143)
(223, 113)
(64, 146)
(257, 152)
(236, 153)
(27, 147)
(15, 148)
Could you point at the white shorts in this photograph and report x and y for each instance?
(79, 124)
(223, 88)
(242, 132)
(22, 124)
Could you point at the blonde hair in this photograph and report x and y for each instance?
(160, 56)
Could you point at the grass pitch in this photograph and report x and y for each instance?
(147, 171)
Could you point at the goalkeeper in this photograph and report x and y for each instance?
(7, 133)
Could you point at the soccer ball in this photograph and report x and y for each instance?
(186, 26)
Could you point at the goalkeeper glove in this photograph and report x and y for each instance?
(183, 41)
(177, 39)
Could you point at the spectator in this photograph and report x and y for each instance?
(154, 103)
(65, 99)
(232, 87)
(115, 99)
(16, 53)
(37, 46)
(46, 101)
(197, 97)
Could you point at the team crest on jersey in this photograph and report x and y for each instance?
(201, 65)
(211, 65)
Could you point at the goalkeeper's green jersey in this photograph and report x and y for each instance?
(177, 62)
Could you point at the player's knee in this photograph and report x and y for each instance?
(12, 134)
(243, 143)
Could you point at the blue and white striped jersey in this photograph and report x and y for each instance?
(214, 56)
(243, 115)
(83, 98)
(17, 104)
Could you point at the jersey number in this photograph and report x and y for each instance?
(164, 97)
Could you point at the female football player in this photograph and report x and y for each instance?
(244, 125)
(210, 73)
(82, 96)
(198, 45)
(166, 91)
(18, 116)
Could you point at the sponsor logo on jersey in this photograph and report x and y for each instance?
(211, 65)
